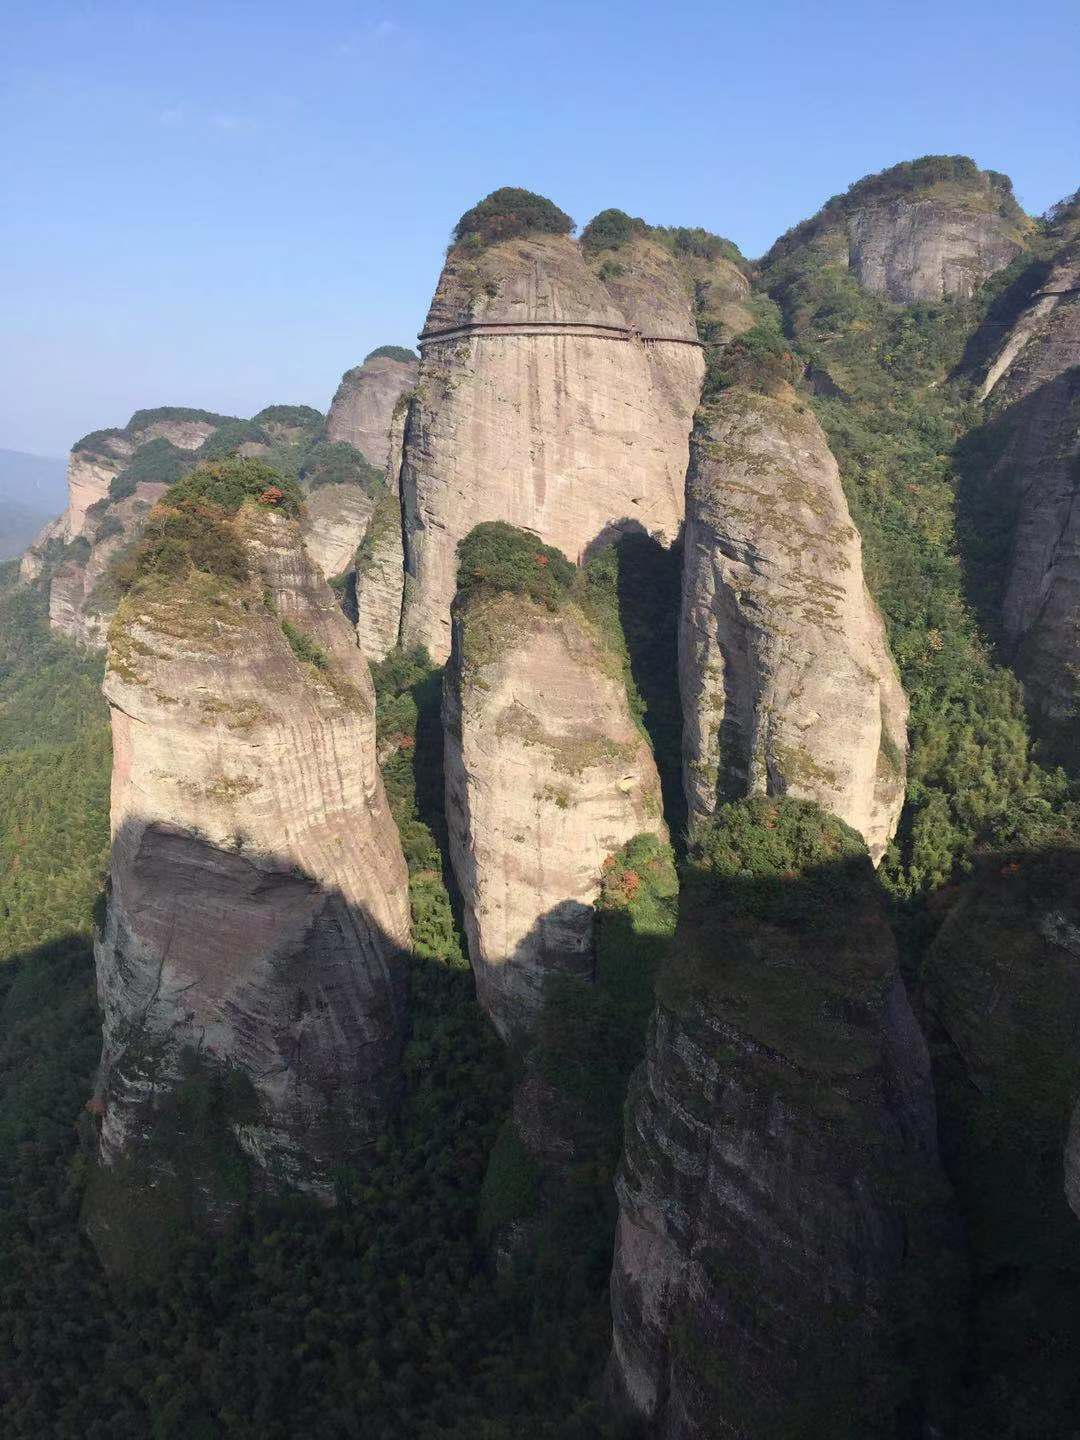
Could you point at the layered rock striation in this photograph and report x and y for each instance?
(257, 908)
(781, 1206)
(554, 394)
(786, 678)
(547, 775)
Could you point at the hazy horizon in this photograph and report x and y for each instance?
(211, 212)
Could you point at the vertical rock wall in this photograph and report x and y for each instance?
(541, 402)
(258, 904)
(546, 776)
(786, 679)
(781, 1207)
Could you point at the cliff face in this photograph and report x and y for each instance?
(786, 679)
(337, 516)
(781, 1204)
(923, 250)
(257, 904)
(546, 776)
(544, 401)
(1034, 388)
(363, 407)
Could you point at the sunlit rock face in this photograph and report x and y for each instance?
(786, 679)
(546, 776)
(362, 409)
(781, 1202)
(1034, 390)
(549, 398)
(923, 250)
(336, 518)
(79, 547)
(258, 908)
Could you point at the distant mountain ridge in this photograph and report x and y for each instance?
(33, 488)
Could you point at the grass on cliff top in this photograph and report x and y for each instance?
(190, 529)
(782, 929)
(339, 463)
(393, 352)
(508, 214)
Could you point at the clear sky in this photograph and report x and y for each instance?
(227, 204)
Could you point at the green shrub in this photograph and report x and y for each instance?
(292, 417)
(228, 438)
(229, 482)
(158, 462)
(305, 647)
(507, 214)
(699, 244)
(497, 556)
(175, 541)
(610, 229)
(393, 352)
(743, 860)
(339, 463)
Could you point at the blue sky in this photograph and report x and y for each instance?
(227, 204)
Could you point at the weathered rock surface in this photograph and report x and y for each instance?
(786, 679)
(923, 250)
(546, 776)
(336, 520)
(549, 399)
(1034, 386)
(258, 902)
(380, 579)
(78, 547)
(362, 409)
(781, 1201)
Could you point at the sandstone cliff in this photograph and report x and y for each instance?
(1034, 389)
(924, 230)
(258, 904)
(546, 775)
(786, 679)
(363, 407)
(781, 1203)
(921, 250)
(550, 398)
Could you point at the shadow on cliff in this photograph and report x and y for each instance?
(999, 995)
(648, 592)
(262, 1044)
(993, 468)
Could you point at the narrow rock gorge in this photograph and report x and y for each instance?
(786, 678)
(257, 908)
(782, 1211)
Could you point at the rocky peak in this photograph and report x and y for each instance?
(547, 773)
(544, 403)
(258, 902)
(926, 229)
(363, 406)
(786, 678)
